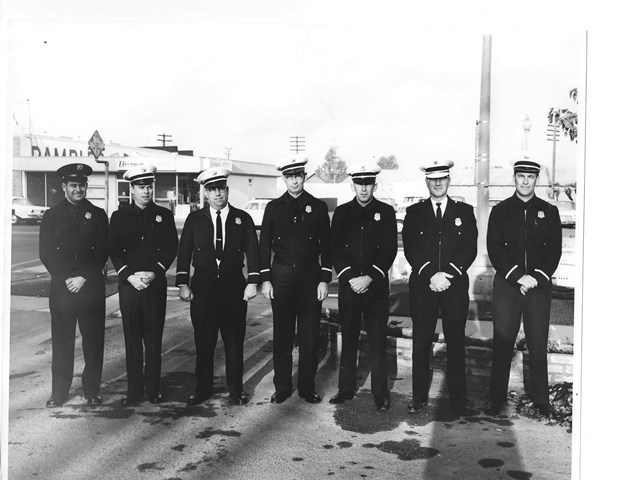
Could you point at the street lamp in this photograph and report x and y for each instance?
(526, 126)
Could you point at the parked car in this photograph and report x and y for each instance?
(255, 208)
(567, 210)
(22, 210)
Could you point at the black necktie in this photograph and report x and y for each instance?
(218, 235)
(438, 212)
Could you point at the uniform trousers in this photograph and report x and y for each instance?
(87, 308)
(372, 307)
(224, 313)
(509, 306)
(143, 315)
(295, 292)
(453, 305)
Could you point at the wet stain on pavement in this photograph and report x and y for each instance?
(210, 432)
(179, 448)
(405, 450)
(519, 474)
(506, 444)
(359, 415)
(143, 467)
(328, 447)
(297, 459)
(490, 462)
(345, 444)
(40, 352)
(20, 375)
(411, 432)
(189, 467)
(65, 416)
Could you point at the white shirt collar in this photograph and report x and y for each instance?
(443, 204)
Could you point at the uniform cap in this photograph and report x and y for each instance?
(141, 175)
(437, 168)
(525, 164)
(292, 165)
(213, 177)
(75, 171)
(364, 173)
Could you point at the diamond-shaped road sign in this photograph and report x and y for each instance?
(96, 145)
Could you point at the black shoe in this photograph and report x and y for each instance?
(544, 409)
(382, 403)
(279, 397)
(239, 398)
(312, 397)
(55, 402)
(197, 399)
(155, 398)
(130, 400)
(94, 400)
(461, 409)
(341, 397)
(493, 409)
(416, 405)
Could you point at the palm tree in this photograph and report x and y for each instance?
(567, 119)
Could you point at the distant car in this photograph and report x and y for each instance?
(255, 208)
(401, 210)
(567, 210)
(22, 210)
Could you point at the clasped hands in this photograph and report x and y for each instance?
(141, 280)
(527, 282)
(74, 284)
(440, 281)
(360, 284)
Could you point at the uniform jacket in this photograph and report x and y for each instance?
(525, 241)
(297, 236)
(73, 240)
(430, 249)
(197, 246)
(142, 241)
(364, 241)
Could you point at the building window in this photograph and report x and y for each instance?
(36, 188)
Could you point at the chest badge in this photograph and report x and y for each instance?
(376, 216)
(308, 209)
(540, 214)
(87, 215)
(238, 221)
(458, 221)
(158, 218)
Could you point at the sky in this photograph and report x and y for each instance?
(245, 87)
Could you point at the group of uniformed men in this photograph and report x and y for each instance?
(293, 262)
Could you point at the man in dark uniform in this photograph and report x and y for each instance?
(364, 243)
(73, 248)
(295, 227)
(142, 244)
(216, 239)
(524, 242)
(440, 243)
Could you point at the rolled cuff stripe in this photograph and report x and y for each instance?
(509, 272)
(457, 269)
(265, 270)
(422, 267)
(327, 269)
(375, 266)
(162, 266)
(125, 266)
(343, 270)
(182, 273)
(545, 275)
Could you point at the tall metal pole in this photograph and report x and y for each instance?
(482, 154)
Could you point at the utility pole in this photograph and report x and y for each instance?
(552, 136)
(297, 144)
(96, 147)
(482, 149)
(164, 138)
(227, 151)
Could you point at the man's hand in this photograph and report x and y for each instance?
(146, 277)
(185, 293)
(360, 284)
(136, 281)
(323, 290)
(267, 290)
(74, 284)
(250, 291)
(440, 281)
(527, 282)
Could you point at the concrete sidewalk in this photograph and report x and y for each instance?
(296, 440)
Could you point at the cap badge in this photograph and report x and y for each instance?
(158, 218)
(238, 221)
(458, 222)
(79, 167)
(308, 209)
(376, 216)
(87, 215)
(540, 214)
